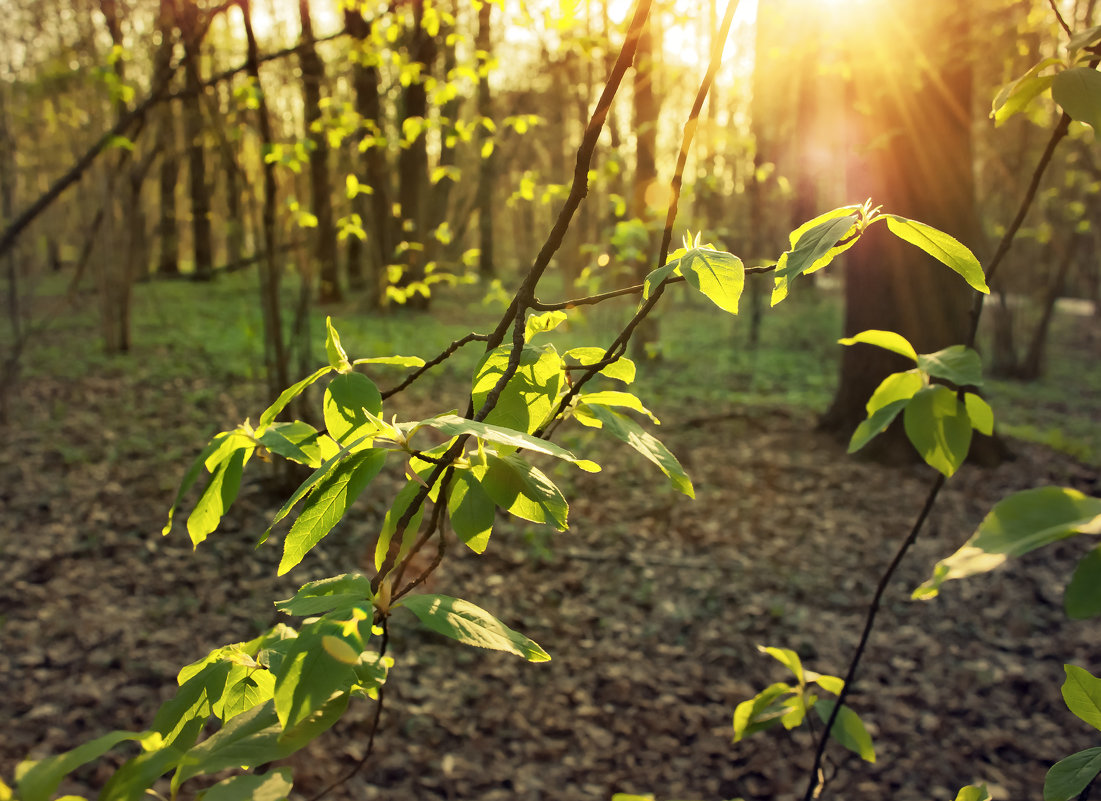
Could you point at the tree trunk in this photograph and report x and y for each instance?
(910, 150)
(324, 236)
(168, 259)
(192, 33)
(374, 210)
(646, 172)
(413, 160)
(487, 166)
(1032, 367)
(275, 352)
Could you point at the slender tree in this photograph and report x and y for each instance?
(487, 166)
(192, 30)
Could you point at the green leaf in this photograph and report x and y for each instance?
(1082, 694)
(328, 503)
(814, 245)
(622, 369)
(256, 738)
(328, 594)
(132, 781)
(831, 684)
(1082, 39)
(888, 340)
(762, 711)
(627, 430)
(1078, 91)
(245, 689)
(397, 510)
(346, 398)
(889, 398)
(454, 426)
(338, 359)
(296, 441)
(1023, 522)
(973, 792)
(471, 511)
(530, 395)
(718, 275)
(273, 786)
(219, 494)
(308, 678)
(944, 248)
(396, 361)
(655, 278)
(289, 394)
(38, 781)
(192, 475)
(1018, 95)
(542, 323)
(938, 427)
(199, 690)
(848, 729)
(471, 625)
(522, 490)
(623, 400)
(786, 657)
(959, 364)
(979, 413)
(1082, 599)
(1069, 777)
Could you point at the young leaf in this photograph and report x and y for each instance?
(275, 785)
(245, 688)
(1023, 522)
(1017, 96)
(1082, 694)
(289, 394)
(848, 729)
(219, 494)
(192, 475)
(889, 398)
(786, 657)
(814, 245)
(622, 369)
(328, 503)
(979, 413)
(471, 511)
(529, 396)
(338, 359)
(718, 275)
(762, 711)
(454, 426)
(973, 792)
(1082, 599)
(627, 430)
(542, 323)
(396, 361)
(623, 400)
(831, 684)
(942, 247)
(39, 780)
(938, 427)
(296, 441)
(654, 279)
(1078, 91)
(326, 595)
(346, 398)
(471, 625)
(1069, 777)
(1082, 39)
(522, 490)
(959, 364)
(888, 340)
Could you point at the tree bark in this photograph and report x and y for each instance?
(168, 259)
(192, 33)
(487, 166)
(324, 236)
(646, 172)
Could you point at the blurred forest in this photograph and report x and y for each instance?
(189, 187)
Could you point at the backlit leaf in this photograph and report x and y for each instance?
(219, 494)
(454, 426)
(718, 275)
(1078, 91)
(529, 396)
(471, 625)
(942, 247)
(622, 369)
(814, 246)
(328, 594)
(888, 340)
(471, 511)
(275, 785)
(937, 425)
(522, 490)
(1082, 694)
(338, 359)
(296, 441)
(346, 397)
(627, 430)
(1082, 599)
(958, 364)
(890, 398)
(287, 395)
(848, 729)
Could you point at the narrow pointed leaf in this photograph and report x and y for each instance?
(289, 394)
(396, 361)
(338, 359)
(275, 785)
(192, 475)
(786, 657)
(40, 781)
(328, 503)
(622, 369)
(455, 426)
(522, 490)
(623, 400)
(941, 246)
(218, 495)
(973, 792)
(760, 712)
(397, 510)
(627, 430)
(1023, 522)
(814, 245)
(328, 594)
(471, 625)
(888, 340)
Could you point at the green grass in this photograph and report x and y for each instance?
(200, 338)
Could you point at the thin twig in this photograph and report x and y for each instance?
(454, 346)
(814, 785)
(1059, 16)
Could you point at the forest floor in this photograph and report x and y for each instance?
(651, 605)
